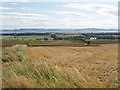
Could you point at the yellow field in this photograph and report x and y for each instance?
(102, 54)
(86, 67)
(100, 63)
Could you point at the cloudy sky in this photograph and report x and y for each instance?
(26, 14)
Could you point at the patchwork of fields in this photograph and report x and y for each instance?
(6, 43)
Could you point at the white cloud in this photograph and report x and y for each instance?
(24, 14)
(14, 0)
(70, 13)
(24, 8)
(103, 9)
(29, 20)
(5, 8)
(13, 19)
(64, 0)
(89, 23)
(78, 19)
(14, 3)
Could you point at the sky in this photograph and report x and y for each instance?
(54, 14)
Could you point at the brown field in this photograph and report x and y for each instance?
(100, 62)
(86, 67)
(102, 54)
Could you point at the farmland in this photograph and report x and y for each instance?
(6, 43)
(60, 61)
(61, 67)
(40, 43)
(60, 44)
(41, 39)
(33, 37)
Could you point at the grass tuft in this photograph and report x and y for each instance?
(15, 53)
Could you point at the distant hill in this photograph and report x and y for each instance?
(42, 30)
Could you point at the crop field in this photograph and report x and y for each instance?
(6, 43)
(68, 35)
(31, 37)
(60, 67)
(104, 41)
(55, 43)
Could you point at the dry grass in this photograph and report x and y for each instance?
(15, 53)
(65, 67)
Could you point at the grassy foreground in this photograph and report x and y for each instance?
(21, 72)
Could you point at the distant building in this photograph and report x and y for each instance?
(93, 38)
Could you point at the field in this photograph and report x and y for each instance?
(104, 41)
(61, 67)
(31, 37)
(6, 43)
(41, 43)
(50, 39)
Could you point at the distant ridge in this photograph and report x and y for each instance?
(42, 30)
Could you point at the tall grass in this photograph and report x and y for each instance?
(46, 74)
(15, 53)
(28, 75)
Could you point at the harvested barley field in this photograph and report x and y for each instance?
(65, 67)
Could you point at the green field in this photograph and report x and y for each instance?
(55, 43)
(31, 37)
(35, 40)
(37, 43)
